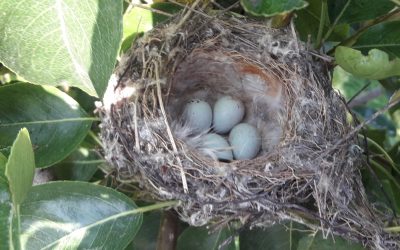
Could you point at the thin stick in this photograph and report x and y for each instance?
(191, 9)
(152, 9)
(358, 92)
(294, 35)
(137, 144)
(171, 138)
(321, 23)
(360, 126)
(187, 15)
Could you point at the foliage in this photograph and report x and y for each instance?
(366, 66)
(61, 42)
(90, 217)
(271, 8)
(56, 58)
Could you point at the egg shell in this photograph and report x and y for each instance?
(219, 146)
(198, 115)
(245, 141)
(227, 113)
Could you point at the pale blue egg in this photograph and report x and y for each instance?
(245, 141)
(198, 115)
(218, 145)
(227, 113)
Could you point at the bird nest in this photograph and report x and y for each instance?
(308, 167)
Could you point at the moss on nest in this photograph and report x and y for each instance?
(302, 172)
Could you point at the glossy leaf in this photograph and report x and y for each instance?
(317, 242)
(384, 36)
(56, 123)
(271, 7)
(273, 238)
(20, 167)
(81, 165)
(77, 215)
(5, 207)
(359, 10)
(374, 66)
(198, 238)
(65, 42)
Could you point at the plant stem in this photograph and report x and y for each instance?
(95, 138)
(330, 30)
(156, 206)
(321, 24)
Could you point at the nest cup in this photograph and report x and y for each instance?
(305, 170)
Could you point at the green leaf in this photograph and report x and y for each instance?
(359, 10)
(393, 192)
(308, 20)
(86, 101)
(77, 215)
(198, 238)
(5, 208)
(271, 7)
(317, 242)
(20, 167)
(139, 20)
(273, 238)
(56, 122)
(384, 36)
(61, 42)
(374, 66)
(136, 21)
(81, 165)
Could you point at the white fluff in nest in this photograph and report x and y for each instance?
(209, 76)
(194, 139)
(264, 109)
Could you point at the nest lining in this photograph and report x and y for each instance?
(300, 174)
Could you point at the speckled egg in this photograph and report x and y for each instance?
(227, 113)
(219, 146)
(198, 115)
(245, 141)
